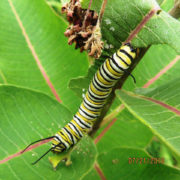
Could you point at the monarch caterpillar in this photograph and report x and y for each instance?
(99, 89)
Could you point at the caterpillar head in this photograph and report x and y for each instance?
(130, 49)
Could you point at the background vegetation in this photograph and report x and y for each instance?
(42, 80)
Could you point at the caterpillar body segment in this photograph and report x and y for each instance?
(99, 89)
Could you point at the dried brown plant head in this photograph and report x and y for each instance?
(84, 28)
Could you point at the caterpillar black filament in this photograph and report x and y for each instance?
(99, 89)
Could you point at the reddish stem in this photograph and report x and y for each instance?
(142, 23)
(22, 151)
(163, 71)
(99, 171)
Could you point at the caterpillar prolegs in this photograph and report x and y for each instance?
(99, 89)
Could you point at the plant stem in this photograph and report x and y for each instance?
(102, 11)
(175, 11)
(55, 4)
(112, 96)
(112, 115)
(87, 13)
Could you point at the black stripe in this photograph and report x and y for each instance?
(94, 107)
(113, 60)
(122, 59)
(90, 114)
(102, 77)
(117, 77)
(104, 90)
(69, 135)
(103, 87)
(86, 113)
(100, 69)
(97, 94)
(75, 129)
(82, 122)
(65, 136)
(95, 99)
(105, 72)
(56, 147)
(61, 141)
(127, 54)
(112, 66)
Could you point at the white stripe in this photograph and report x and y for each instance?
(115, 67)
(71, 126)
(80, 124)
(110, 74)
(118, 61)
(108, 86)
(92, 108)
(65, 131)
(95, 114)
(95, 105)
(94, 99)
(98, 96)
(63, 141)
(86, 116)
(105, 77)
(96, 85)
(89, 125)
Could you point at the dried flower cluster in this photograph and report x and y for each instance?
(83, 28)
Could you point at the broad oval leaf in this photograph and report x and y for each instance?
(27, 116)
(125, 131)
(159, 110)
(34, 52)
(132, 164)
(122, 17)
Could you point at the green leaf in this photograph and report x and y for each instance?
(80, 85)
(159, 58)
(127, 131)
(27, 116)
(92, 175)
(115, 164)
(167, 5)
(158, 109)
(122, 17)
(30, 32)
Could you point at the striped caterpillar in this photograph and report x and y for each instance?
(99, 89)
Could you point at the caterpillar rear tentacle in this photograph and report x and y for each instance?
(99, 89)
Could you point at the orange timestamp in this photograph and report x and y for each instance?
(145, 160)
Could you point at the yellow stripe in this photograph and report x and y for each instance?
(102, 80)
(96, 103)
(72, 132)
(55, 142)
(65, 137)
(111, 70)
(133, 54)
(85, 119)
(83, 131)
(125, 58)
(90, 111)
(128, 50)
(94, 90)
